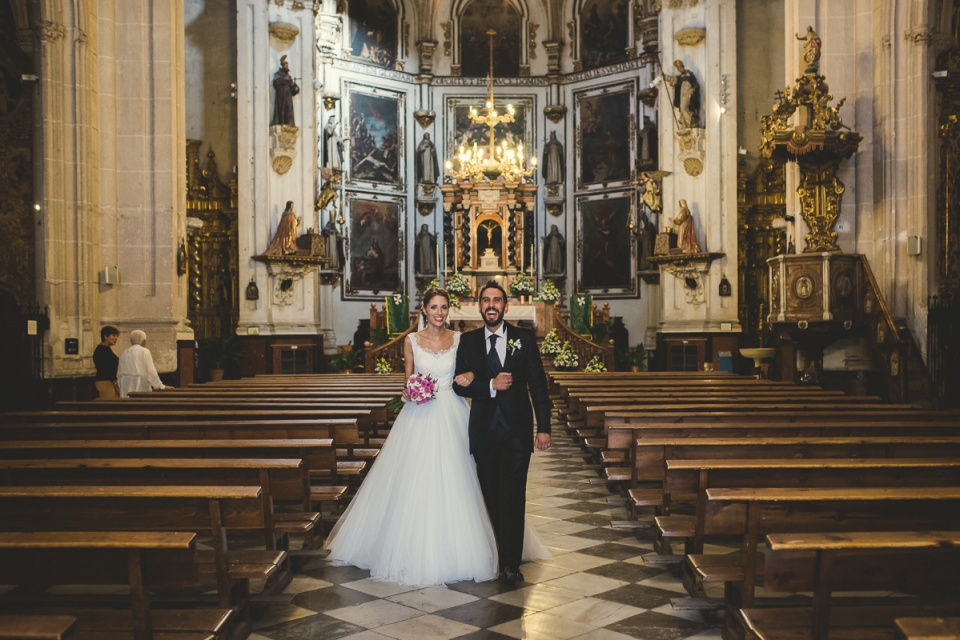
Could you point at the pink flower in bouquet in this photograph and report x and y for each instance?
(421, 388)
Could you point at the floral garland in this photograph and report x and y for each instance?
(522, 285)
(551, 345)
(458, 285)
(383, 366)
(567, 359)
(595, 365)
(549, 292)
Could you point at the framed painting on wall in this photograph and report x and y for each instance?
(376, 136)
(374, 246)
(373, 31)
(461, 131)
(605, 136)
(476, 20)
(603, 33)
(606, 253)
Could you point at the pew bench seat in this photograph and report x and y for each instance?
(613, 457)
(167, 624)
(846, 623)
(617, 474)
(677, 526)
(38, 627)
(932, 628)
(713, 567)
(296, 522)
(245, 564)
(646, 497)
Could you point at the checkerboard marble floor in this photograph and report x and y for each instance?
(596, 586)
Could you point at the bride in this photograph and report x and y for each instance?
(419, 517)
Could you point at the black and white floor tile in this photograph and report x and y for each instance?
(596, 586)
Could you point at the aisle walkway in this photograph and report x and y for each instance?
(596, 586)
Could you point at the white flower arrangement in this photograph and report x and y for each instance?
(513, 345)
(454, 302)
(551, 345)
(595, 365)
(567, 359)
(458, 285)
(522, 285)
(383, 367)
(549, 292)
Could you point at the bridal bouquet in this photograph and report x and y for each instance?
(421, 388)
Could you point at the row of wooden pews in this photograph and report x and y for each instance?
(848, 499)
(121, 493)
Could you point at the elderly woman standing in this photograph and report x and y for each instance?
(136, 371)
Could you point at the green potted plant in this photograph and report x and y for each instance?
(634, 357)
(347, 359)
(215, 355)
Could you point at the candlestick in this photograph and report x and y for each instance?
(439, 270)
(540, 262)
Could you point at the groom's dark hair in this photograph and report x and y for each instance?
(492, 284)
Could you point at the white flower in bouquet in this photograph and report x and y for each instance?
(458, 285)
(551, 345)
(549, 292)
(567, 359)
(595, 365)
(522, 285)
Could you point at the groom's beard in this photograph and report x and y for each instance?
(495, 322)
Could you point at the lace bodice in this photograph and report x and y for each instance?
(439, 365)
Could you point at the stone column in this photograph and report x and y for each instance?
(275, 166)
(702, 162)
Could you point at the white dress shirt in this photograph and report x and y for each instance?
(501, 347)
(136, 371)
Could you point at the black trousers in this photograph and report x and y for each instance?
(502, 463)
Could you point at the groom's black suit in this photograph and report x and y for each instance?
(501, 429)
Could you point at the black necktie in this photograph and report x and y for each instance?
(492, 357)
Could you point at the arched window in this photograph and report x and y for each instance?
(480, 16)
(604, 30)
(373, 31)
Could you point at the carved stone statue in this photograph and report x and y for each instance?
(553, 252)
(428, 169)
(811, 50)
(331, 235)
(332, 146)
(651, 190)
(686, 95)
(285, 239)
(686, 235)
(553, 169)
(646, 239)
(648, 144)
(284, 89)
(426, 256)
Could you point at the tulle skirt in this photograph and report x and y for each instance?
(419, 517)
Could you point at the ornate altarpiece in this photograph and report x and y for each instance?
(211, 249)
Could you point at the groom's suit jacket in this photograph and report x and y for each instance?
(529, 381)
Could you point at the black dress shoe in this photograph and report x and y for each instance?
(512, 576)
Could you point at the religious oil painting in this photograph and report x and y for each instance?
(603, 33)
(606, 254)
(374, 246)
(373, 31)
(375, 137)
(605, 133)
(465, 133)
(479, 17)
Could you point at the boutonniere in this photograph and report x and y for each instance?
(513, 345)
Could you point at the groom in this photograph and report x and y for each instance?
(506, 363)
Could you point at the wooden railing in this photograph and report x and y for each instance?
(392, 350)
(582, 346)
(889, 349)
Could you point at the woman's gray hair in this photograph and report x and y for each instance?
(137, 337)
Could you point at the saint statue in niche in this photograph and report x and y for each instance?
(553, 168)
(686, 236)
(428, 169)
(284, 88)
(686, 95)
(332, 146)
(646, 238)
(554, 246)
(334, 241)
(285, 239)
(648, 144)
(426, 256)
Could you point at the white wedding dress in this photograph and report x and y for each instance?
(419, 516)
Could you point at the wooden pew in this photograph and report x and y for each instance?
(140, 560)
(932, 628)
(753, 513)
(920, 563)
(207, 510)
(309, 450)
(38, 627)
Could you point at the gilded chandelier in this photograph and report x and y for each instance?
(506, 160)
